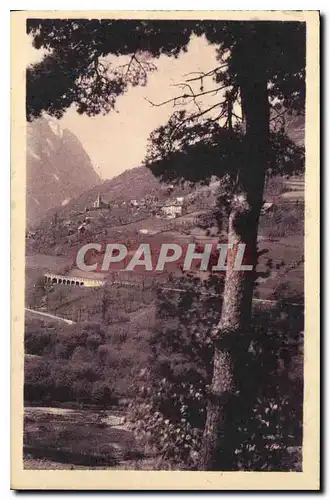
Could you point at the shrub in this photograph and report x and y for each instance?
(103, 394)
(38, 342)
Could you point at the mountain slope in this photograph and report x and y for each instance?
(131, 184)
(138, 182)
(58, 168)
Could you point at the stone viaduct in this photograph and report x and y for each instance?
(72, 280)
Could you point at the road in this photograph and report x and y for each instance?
(52, 316)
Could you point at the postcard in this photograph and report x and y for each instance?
(165, 250)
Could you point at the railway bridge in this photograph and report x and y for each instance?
(51, 278)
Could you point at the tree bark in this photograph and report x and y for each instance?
(232, 332)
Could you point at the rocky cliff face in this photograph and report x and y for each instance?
(58, 168)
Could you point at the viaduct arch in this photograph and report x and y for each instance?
(51, 278)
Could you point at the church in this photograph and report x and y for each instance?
(98, 204)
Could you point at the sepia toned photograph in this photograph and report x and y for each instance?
(164, 194)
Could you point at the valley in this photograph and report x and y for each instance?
(84, 346)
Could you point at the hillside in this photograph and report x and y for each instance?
(138, 182)
(57, 234)
(135, 183)
(58, 168)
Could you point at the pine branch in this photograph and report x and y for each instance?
(184, 96)
(203, 74)
(195, 116)
(278, 115)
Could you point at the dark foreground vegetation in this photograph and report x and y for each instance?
(159, 379)
(265, 430)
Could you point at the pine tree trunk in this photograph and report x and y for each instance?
(233, 329)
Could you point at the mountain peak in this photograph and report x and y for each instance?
(58, 168)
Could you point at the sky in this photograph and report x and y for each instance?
(117, 141)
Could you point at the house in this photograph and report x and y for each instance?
(172, 211)
(172, 208)
(84, 227)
